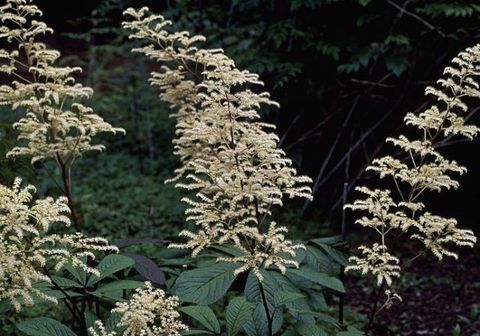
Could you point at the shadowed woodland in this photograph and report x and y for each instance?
(345, 74)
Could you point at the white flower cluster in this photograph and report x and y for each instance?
(27, 249)
(148, 313)
(229, 157)
(425, 169)
(56, 123)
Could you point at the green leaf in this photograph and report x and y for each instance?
(196, 332)
(281, 298)
(64, 282)
(351, 331)
(43, 326)
(77, 272)
(319, 278)
(310, 330)
(257, 323)
(205, 285)
(237, 313)
(110, 265)
(120, 285)
(272, 283)
(204, 315)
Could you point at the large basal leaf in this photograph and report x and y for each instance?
(147, 268)
(43, 326)
(319, 278)
(204, 315)
(237, 313)
(110, 265)
(257, 323)
(283, 298)
(274, 282)
(114, 290)
(205, 285)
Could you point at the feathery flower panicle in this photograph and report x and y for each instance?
(27, 248)
(148, 313)
(56, 124)
(427, 169)
(229, 157)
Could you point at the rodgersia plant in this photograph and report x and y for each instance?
(28, 251)
(57, 124)
(400, 211)
(229, 157)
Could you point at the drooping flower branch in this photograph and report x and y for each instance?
(28, 250)
(57, 123)
(229, 157)
(392, 213)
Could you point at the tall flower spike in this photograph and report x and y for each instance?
(56, 124)
(27, 248)
(426, 169)
(229, 157)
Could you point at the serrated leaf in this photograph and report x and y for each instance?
(204, 315)
(65, 282)
(319, 278)
(237, 313)
(43, 326)
(272, 283)
(310, 330)
(205, 285)
(110, 265)
(282, 298)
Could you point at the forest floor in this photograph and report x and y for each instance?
(438, 298)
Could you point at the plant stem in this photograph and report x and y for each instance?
(373, 312)
(66, 173)
(341, 304)
(265, 306)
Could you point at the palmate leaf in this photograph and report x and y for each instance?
(274, 282)
(204, 315)
(43, 326)
(205, 285)
(237, 313)
(257, 323)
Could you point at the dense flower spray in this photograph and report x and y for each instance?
(28, 250)
(394, 213)
(229, 157)
(148, 313)
(57, 124)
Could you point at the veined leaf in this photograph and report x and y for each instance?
(205, 285)
(43, 326)
(237, 313)
(319, 278)
(204, 315)
(109, 265)
(281, 298)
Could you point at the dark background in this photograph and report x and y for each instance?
(344, 72)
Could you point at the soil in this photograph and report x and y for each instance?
(438, 298)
